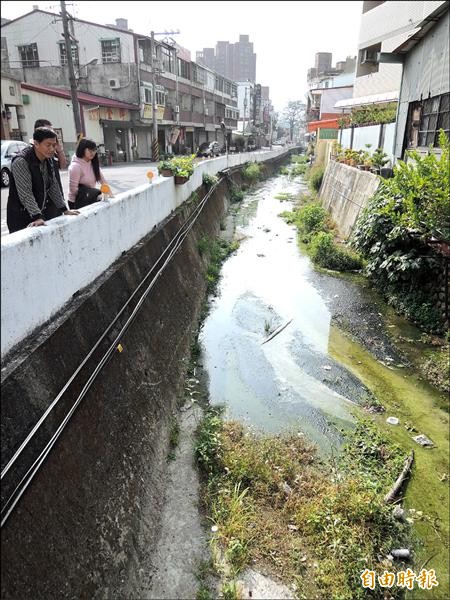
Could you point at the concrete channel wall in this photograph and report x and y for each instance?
(88, 523)
(43, 267)
(344, 193)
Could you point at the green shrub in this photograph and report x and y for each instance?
(209, 180)
(312, 218)
(297, 170)
(236, 195)
(283, 171)
(325, 253)
(252, 172)
(393, 230)
(299, 159)
(182, 165)
(315, 178)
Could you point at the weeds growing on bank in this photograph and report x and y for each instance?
(174, 438)
(274, 503)
(252, 172)
(216, 250)
(315, 230)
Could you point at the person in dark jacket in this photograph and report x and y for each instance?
(35, 194)
(60, 157)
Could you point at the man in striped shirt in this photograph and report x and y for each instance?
(35, 194)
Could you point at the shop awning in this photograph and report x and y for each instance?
(83, 97)
(372, 99)
(325, 124)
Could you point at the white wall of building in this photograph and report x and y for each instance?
(366, 135)
(57, 110)
(330, 96)
(390, 23)
(42, 28)
(42, 267)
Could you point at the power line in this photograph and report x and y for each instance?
(19, 490)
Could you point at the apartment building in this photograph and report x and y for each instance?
(117, 67)
(236, 61)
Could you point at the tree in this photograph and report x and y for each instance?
(293, 113)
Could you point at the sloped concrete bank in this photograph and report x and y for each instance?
(90, 518)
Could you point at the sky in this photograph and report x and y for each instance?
(285, 35)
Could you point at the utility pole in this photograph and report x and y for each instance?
(73, 84)
(155, 145)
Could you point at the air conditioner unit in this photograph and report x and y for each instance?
(177, 109)
(114, 84)
(206, 112)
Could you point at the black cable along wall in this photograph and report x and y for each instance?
(84, 525)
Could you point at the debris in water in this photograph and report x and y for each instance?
(326, 367)
(276, 332)
(286, 488)
(423, 440)
(398, 513)
(401, 553)
(261, 255)
(392, 420)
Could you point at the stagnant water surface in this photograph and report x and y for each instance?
(289, 381)
(309, 378)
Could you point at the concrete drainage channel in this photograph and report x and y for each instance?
(90, 520)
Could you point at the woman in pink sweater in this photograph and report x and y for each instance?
(84, 169)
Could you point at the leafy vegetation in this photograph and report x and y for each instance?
(370, 115)
(315, 230)
(393, 231)
(284, 196)
(236, 194)
(274, 503)
(301, 159)
(325, 253)
(209, 180)
(182, 166)
(315, 177)
(252, 172)
(216, 251)
(165, 165)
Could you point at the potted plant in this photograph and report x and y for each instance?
(379, 159)
(165, 168)
(365, 161)
(183, 167)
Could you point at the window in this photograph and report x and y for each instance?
(160, 95)
(111, 51)
(63, 54)
(198, 74)
(147, 95)
(29, 55)
(183, 69)
(368, 60)
(167, 59)
(435, 116)
(12, 90)
(185, 102)
(219, 84)
(220, 110)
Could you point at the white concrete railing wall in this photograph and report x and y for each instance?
(43, 267)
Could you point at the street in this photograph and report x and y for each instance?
(120, 177)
